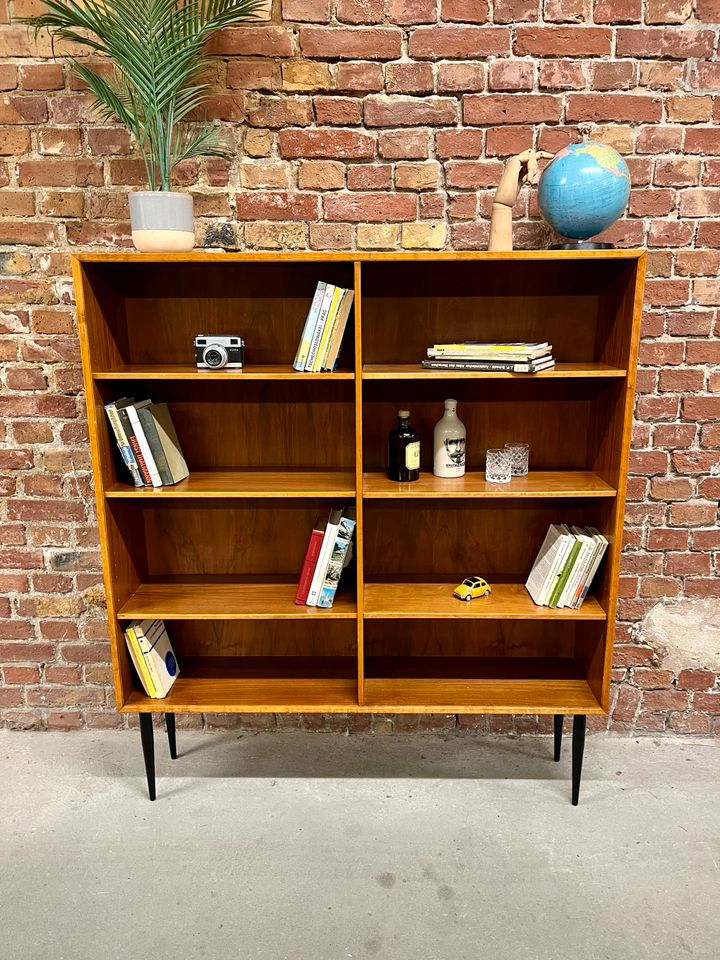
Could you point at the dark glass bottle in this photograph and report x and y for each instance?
(403, 450)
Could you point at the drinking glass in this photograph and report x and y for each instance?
(519, 454)
(497, 466)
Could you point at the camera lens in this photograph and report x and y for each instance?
(215, 356)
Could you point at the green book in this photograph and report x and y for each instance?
(566, 571)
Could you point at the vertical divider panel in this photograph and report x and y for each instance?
(87, 314)
(359, 492)
(599, 677)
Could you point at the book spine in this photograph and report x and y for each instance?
(568, 593)
(591, 573)
(135, 446)
(139, 661)
(144, 447)
(491, 348)
(320, 326)
(323, 560)
(487, 365)
(151, 435)
(557, 569)
(146, 638)
(309, 328)
(124, 447)
(566, 571)
(308, 567)
(345, 308)
(336, 563)
(324, 345)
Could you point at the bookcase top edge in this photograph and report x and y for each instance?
(205, 256)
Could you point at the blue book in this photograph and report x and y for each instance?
(339, 559)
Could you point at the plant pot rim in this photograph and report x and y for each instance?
(159, 193)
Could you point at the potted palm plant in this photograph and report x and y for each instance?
(159, 81)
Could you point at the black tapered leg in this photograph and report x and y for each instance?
(148, 745)
(559, 718)
(170, 724)
(578, 748)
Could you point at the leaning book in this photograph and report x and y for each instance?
(339, 559)
(150, 648)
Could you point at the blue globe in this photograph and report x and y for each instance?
(584, 189)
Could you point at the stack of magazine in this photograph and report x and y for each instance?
(566, 565)
(491, 357)
(147, 442)
(324, 328)
(328, 553)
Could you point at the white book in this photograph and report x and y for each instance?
(602, 547)
(567, 543)
(331, 531)
(157, 651)
(546, 563)
(330, 322)
(320, 325)
(142, 440)
(587, 548)
(309, 329)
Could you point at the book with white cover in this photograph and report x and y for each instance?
(568, 541)
(330, 321)
(156, 649)
(587, 548)
(320, 326)
(132, 410)
(546, 563)
(309, 329)
(603, 545)
(331, 532)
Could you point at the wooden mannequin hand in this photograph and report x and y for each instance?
(518, 170)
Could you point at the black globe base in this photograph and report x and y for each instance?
(583, 245)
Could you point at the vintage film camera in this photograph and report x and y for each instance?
(214, 352)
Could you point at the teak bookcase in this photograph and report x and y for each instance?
(218, 555)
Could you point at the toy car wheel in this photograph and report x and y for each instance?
(467, 599)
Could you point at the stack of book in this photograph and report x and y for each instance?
(328, 553)
(153, 656)
(566, 565)
(147, 442)
(324, 328)
(492, 357)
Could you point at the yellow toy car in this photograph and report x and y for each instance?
(471, 588)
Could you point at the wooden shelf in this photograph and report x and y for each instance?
(228, 601)
(561, 371)
(435, 601)
(274, 371)
(537, 484)
(229, 484)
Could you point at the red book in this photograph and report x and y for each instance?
(311, 558)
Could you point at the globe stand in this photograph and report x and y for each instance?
(584, 245)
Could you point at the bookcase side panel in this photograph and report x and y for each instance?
(359, 469)
(119, 574)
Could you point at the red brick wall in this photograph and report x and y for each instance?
(377, 124)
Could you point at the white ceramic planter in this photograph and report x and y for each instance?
(161, 221)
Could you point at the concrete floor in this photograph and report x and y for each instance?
(306, 846)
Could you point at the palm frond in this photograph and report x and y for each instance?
(157, 47)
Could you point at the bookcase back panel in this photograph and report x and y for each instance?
(409, 306)
(486, 638)
(254, 423)
(266, 638)
(235, 539)
(154, 312)
(437, 541)
(552, 417)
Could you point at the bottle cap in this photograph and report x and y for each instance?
(403, 413)
(453, 402)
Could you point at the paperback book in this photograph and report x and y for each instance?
(324, 328)
(566, 565)
(490, 357)
(147, 441)
(329, 551)
(152, 655)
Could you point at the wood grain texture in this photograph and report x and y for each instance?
(228, 601)
(561, 371)
(218, 556)
(260, 484)
(420, 601)
(537, 484)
